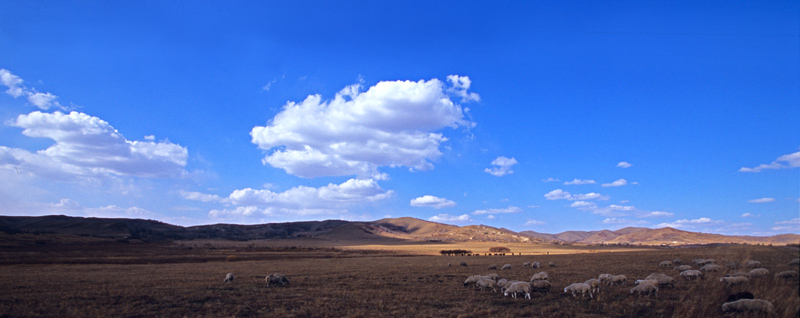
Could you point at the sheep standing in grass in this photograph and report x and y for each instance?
(526, 264)
(711, 267)
(487, 283)
(594, 283)
(276, 279)
(519, 287)
(691, 274)
(752, 264)
(579, 288)
(463, 264)
(552, 264)
(758, 272)
(663, 280)
(618, 280)
(541, 286)
(683, 268)
(506, 267)
(228, 278)
(605, 278)
(539, 276)
(665, 264)
(492, 267)
(745, 305)
(787, 275)
(733, 281)
(645, 289)
(677, 261)
(794, 262)
(535, 265)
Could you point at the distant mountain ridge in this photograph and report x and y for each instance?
(404, 228)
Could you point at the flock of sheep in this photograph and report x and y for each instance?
(276, 279)
(739, 302)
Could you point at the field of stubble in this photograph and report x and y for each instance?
(332, 283)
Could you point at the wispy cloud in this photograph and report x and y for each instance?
(792, 226)
(618, 183)
(534, 222)
(550, 180)
(16, 89)
(510, 209)
(579, 182)
(624, 164)
(559, 194)
(432, 202)
(791, 160)
(445, 218)
(762, 200)
(502, 166)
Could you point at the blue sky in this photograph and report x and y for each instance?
(543, 116)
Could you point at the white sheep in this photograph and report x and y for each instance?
(677, 261)
(506, 267)
(472, 280)
(645, 281)
(491, 267)
(691, 274)
(520, 287)
(711, 267)
(743, 305)
(732, 281)
(539, 276)
(752, 264)
(579, 288)
(665, 264)
(795, 262)
(594, 283)
(535, 265)
(492, 276)
(276, 279)
(503, 284)
(605, 278)
(758, 272)
(645, 289)
(788, 275)
(526, 264)
(541, 286)
(552, 264)
(663, 280)
(228, 278)
(618, 280)
(487, 283)
(683, 268)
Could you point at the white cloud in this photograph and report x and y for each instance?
(267, 86)
(460, 86)
(87, 146)
(449, 218)
(15, 88)
(624, 222)
(618, 183)
(502, 166)
(686, 223)
(579, 204)
(391, 124)
(150, 137)
(550, 180)
(747, 215)
(783, 162)
(202, 197)
(432, 201)
(792, 226)
(490, 217)
(624, 164)
(762, 200)
(657, 214)
(559, 194)
(533, 222)
(579, 182)
(510, 209)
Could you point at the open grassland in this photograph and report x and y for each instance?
(177, 281)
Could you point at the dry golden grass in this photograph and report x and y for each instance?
(336, 283)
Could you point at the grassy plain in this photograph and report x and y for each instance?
(184, 279)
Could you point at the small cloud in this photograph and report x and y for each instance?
(579, 182)
(625, 222)
(150, 137)
(792, 225)
(267, 86)
(762, 200)
(490, 217)
(559, 194)
(432, 202)
(534, 222)
(503, 166)
(624, 164)
(789, 161)
(510, 209)
(618, 183)
(685, 223)
(550, 180)
(657, 214)
(449, 218)
(533, 206)
(578, 204)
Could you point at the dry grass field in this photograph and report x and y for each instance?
(186, 280)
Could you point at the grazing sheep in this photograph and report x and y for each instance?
(552, 264)
(645, 281)
(734, 265)
(795, 261)
(276, 279)
(539, 276)
(520, 287)
(711, 267)
(732, 281)
(691, 274)
(758, 272)
(472, 280)
(645, 289)
(535, 265)
(752, 264)
(492, 276)
(677, 261)
(594, 283)
(579, 288)
(504, 284)
(506, 267)
(228, 278)
(742, 305)
(663, 280)
(618, 280)
(491, 267)
(487, 283)
(703, 261)
(541, 286)
(665, 264)
(787, 275)
(740, 295)
(526, 264)
(683, 268)
(605, 278)
(463, 264)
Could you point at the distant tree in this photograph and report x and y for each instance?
(499, 249)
